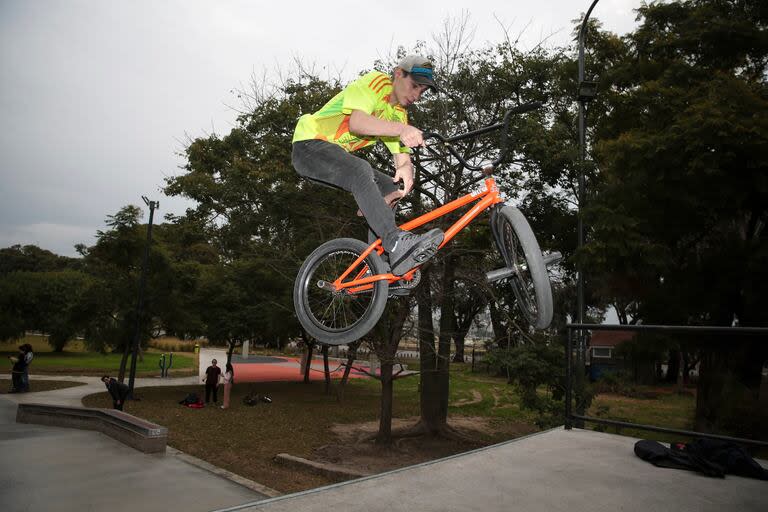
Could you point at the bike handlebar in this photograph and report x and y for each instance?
(527, 107)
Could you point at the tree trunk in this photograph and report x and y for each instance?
(123, 363)
(387, 335)
(673, 367)
(230, 351)
(384, 435)
(432, 417)
(351, 355)
(435, 379)
(326, 370)
(458, 341)
(310, 347)
(727, 399)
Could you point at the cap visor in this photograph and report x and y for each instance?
(424, 80)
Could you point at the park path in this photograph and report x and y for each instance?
(73, 396)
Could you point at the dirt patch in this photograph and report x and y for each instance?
(356, 450)
(477, 397)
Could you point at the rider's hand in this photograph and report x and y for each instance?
(411, 136)
(404, 173)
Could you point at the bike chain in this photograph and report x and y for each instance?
(402, 284)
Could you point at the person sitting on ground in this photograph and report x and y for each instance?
(369, 109)
(117, 390)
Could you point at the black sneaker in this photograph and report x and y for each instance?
(411, 250)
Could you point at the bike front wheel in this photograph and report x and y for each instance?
(521, 252)
(338, 317)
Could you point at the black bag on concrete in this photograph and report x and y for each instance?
(732, 457)
(712, 457)
(663, 457)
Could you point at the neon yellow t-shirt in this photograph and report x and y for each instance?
(370, 93)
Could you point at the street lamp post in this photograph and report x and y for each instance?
(587, 92)
(140, 302)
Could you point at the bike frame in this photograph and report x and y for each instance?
(485, 199)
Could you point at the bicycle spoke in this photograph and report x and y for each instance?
(337, 310)
(521, 281)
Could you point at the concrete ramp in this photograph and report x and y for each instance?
(556, 470)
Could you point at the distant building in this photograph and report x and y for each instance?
(602, 351)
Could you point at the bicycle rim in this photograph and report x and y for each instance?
(336, 311)
(530, 282)
(521, 281)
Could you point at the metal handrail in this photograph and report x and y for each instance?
(699, 329)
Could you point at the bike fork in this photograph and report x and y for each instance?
(505, 272)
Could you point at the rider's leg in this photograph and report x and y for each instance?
(326, 162)
(388, 190)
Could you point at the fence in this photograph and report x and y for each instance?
(668, 329)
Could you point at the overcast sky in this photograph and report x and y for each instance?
(98, 97)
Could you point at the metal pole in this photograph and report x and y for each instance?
(140, 303)
(582, 156)
(568, 382)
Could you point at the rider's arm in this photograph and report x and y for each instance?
(366, 124)
(404, 171)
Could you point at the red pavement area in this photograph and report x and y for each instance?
(286, 369)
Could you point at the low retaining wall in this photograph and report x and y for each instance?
(320, 468)
(135, 432)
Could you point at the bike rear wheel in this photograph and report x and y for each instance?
(339, 317)
(521, 252)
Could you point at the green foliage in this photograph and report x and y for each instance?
(96, 363)
(531, 366)
(30, 258)
(115, 262)
(51, 302)
(676, 207)
(682, 145)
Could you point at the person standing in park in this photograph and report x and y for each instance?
(117, 390)
(17, 371)
(211, 379)
(229, 380)
(369, 109)
(29, 353)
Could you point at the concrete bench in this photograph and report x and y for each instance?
(135, 432)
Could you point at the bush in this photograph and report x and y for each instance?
(170, 344)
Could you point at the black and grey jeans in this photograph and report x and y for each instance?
(329, 164)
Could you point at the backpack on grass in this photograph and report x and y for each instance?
(191, 399)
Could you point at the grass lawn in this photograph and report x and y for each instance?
(245, 439)
(74, 360)
(668, 409)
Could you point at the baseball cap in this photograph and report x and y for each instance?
(420, 70)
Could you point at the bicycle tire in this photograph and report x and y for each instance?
(338, 318)
(520, 250)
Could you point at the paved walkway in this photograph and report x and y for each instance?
(556, 470)
(48, 468)
(73, 396)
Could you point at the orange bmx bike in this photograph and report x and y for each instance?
(342, 288)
